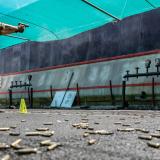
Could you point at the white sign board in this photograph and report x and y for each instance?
(63, 99)
(57, 100)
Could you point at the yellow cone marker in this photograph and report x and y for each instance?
(23, 108)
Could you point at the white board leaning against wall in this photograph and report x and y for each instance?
(64, 99)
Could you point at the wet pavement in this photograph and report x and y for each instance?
(114, 135)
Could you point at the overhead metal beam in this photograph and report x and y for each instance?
(150, 4)
(103, 11)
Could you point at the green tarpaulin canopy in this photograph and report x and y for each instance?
(59, 19)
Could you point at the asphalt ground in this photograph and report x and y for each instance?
(121, 145)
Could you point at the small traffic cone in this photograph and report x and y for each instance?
(23, 108)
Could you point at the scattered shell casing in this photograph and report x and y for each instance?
(90, 132)
(13, 127)
(84, 124)
(125, 129)
(4, 129)
(81, 125)
(155, 135)
(32, 133)
(103, 132)
(46, 143)
(138, 122)
(84, 127)
(42, 129)
(142, 130)
(14, 134)
(23, 120)
(47, 133)
(106, 133)
(84, 119)
(53, 146)
(27, 151)
(153, 144)
(16, 142)
(78, 127)
(126, 125)
(91, 141)
(48, 123)
(110, 133)
(145, 137)
(3, 146)
(16, 145)
(75, 125)
(90, 128)
(117, 123)
(85, 134)
(122, 119)
(6, 157)
(145, 131)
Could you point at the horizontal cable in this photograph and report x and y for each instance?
(17, 37)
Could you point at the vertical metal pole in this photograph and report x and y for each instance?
(78, 95)
(153, 92)
(51, 92)
(123, 94)
(112, 97)
(10, 98)
(31, 99)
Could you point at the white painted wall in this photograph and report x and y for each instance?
(96, 74)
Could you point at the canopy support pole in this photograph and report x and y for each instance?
(150, 3)
(91, 4)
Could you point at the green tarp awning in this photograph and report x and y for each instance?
(59, 19)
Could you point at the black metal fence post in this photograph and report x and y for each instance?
(31, 99)
(153, 92)
(51, 93)
(111, 92)
(78, 95)
(10, 98)
(123, 94)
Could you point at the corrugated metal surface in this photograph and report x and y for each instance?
(59, 19)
